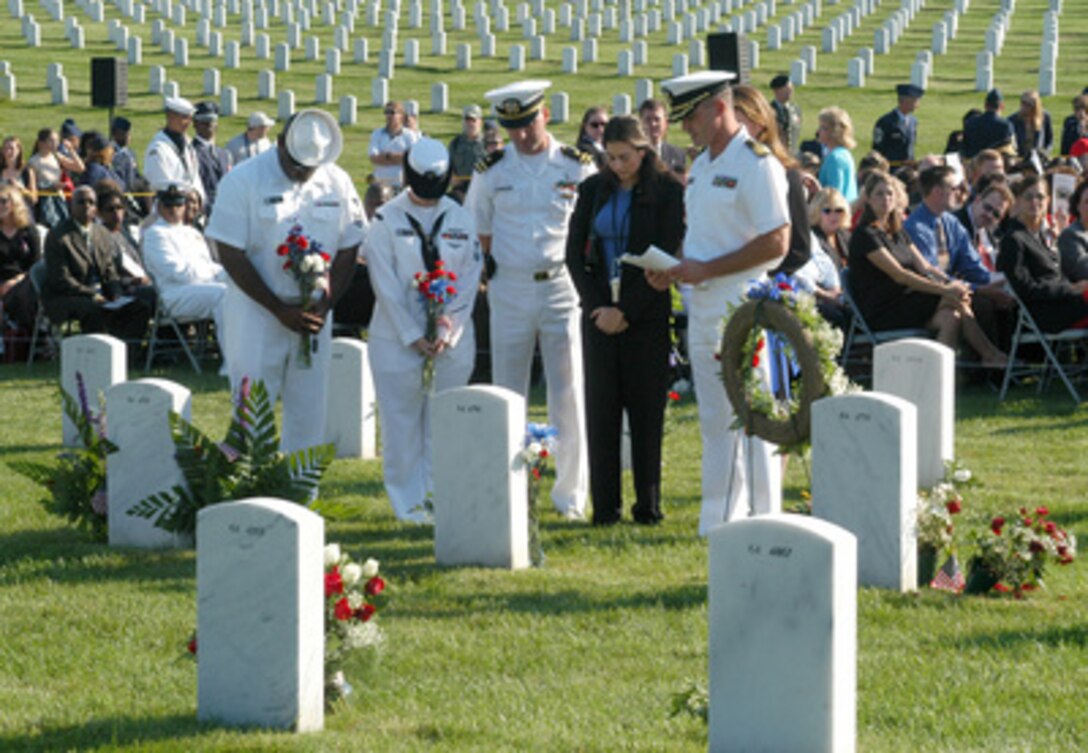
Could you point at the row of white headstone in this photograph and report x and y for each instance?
(138, 424)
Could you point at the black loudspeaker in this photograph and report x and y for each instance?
(728, 51)
(109, 82)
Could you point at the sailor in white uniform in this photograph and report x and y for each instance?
(522, 198)
(259, 202)
(738, 227)
(170, 157)
(418, 231)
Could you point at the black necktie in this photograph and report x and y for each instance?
(427, 244)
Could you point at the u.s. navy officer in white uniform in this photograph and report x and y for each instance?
(170, 157)
(258, 203)
(737, 229)
(410, 235)
(522, 199)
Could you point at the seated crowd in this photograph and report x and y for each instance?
(933, 242)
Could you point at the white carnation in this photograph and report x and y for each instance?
(332, 554)
(362, 635)
(961, 475)
(370, 568)
(351, 574)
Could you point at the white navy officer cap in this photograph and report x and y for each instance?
(685, 93)
(313, 138)
(180, 106)
(517, 104)
(258, 119)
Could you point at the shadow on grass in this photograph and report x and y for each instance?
(115, 732)
(1073, 636)
(64, 556)
(558, 603)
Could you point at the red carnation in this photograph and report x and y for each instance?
(343, 610)
(543, 453)
(375, 586)
(287, 264)
(325, 257)
(283, 250)
(192, 646)
(1050, 527)
(1042, 511)
(755, 360)
(536, 473)
(1028, 522)
(439, 264)
(674, 395)
(1001, 587)
(997, 524)
(334, 584)
(954, 507)
(452, 276)
(1036, 546)
(302, 243)
(760, 343)
(451, 291)
(365, 612)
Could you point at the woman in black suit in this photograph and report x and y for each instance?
(632, 203)
(1033, 270)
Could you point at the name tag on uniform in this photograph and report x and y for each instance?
(455, 235)
(273, 199)
(503, 188)
(406, 232)
(725, 181)
(327, 203)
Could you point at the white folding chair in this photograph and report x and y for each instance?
(179, 325)
(1027, 332)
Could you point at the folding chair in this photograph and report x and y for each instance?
(53, 332)
(858, 332)
(179, 325)
(1027, 332)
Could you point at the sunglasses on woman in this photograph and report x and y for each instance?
(833, 210)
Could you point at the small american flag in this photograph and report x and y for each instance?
(949, 577)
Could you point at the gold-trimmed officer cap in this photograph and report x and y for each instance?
(685, 93)
(517, 104)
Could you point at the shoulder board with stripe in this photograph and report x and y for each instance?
(760, 150)
(489, 160)
(575, 153)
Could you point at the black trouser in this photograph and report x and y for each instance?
(628, 371)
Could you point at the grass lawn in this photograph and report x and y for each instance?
(581, 655)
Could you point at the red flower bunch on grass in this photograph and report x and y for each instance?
(1016, 549)
(353, 595)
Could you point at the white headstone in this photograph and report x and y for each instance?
(537, 48)
(156, 78)
(361, 50)
(101, 360)
(487, 46)
(323, 89)
(228, 102)
(621, 104)
(464, 57)
(560, 110)
(480, 502)
(135, 50)
(181, 51)
(145, 463)
(984, 71)
(332, 62)
(215, 44)
(808, 55)
(517, 57)
(440, 97)
(855, 72)
(881, 41)
(865, 479)
(922, 372)
(919, 74)
(211, 82)
(644, 90)
(679, 64)
(260, 615)
(866, 54)
(940, 38)
(589, 51)
(798, 73)
(233, 56)
(263, 45)
(783, 636)
(171, 90)
(266, 84)
(626, 63)
(386, 64)
(379, 92)
(285, 104)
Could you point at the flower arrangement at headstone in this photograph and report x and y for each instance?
(247, 463)
(78, 482)
(936, 527)
(778, 324)
(1012, 555)
(540, 442)
(435, 292)
(308, 263)
(354, 593)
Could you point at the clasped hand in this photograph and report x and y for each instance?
(609, 319)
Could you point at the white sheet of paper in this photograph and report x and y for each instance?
(654, 258)
(1063, 186)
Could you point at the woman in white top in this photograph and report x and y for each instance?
(411, 235)
(46, 167)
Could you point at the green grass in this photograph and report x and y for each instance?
(951, 91)
(581, 655)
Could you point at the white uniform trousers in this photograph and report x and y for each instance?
(259, 347)
(726, 465)
(521, 310)
(405, 415)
